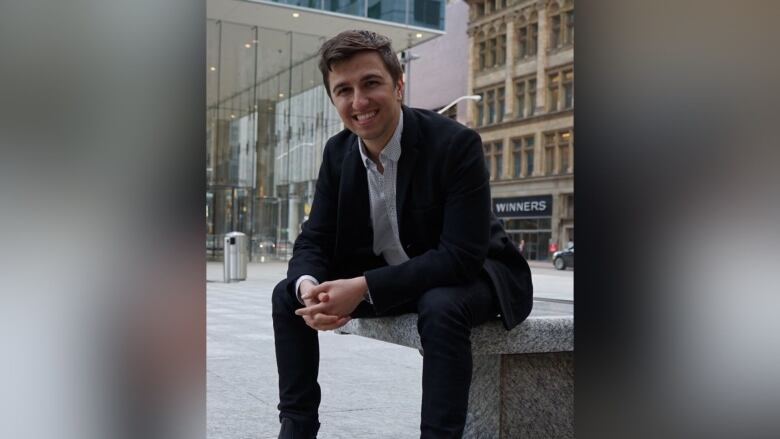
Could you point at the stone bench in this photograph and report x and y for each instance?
(522, 384)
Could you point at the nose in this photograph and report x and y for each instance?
(359, 100)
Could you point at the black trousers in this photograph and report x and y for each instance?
(446, 317)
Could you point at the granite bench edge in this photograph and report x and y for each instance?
(537, 334)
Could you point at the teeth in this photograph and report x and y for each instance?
(364, 116)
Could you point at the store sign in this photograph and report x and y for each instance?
(515, 207)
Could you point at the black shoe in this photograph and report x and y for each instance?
(298, 430)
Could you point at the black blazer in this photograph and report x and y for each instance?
(445, 220)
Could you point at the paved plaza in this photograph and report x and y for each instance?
(370, 389)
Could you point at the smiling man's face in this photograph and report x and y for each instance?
(366, 98)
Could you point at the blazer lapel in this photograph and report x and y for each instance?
(409, 139)
(354, 213)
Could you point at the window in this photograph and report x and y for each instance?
(500, 104)
(568, 89)
(482, 54)
(525, 97)
(562, 28)
(560, 89)
(517, 157)
(494, 153)
(498, 154)
(549, 153)
(490, 103)
(523, 157)
(481, 110)
(501, 54)
(555, 31)
(491, 49)
(491, 52)
(490, 109)
(558, 152)
(528, 155)
(527, 40)
(480, 9)
(552, 92)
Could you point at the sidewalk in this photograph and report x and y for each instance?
(242, 380)
(370, 389)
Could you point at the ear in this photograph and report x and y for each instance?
(399, 89)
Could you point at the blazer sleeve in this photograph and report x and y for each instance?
(314, 248)
(465, 233)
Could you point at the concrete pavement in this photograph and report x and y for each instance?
(370, 389)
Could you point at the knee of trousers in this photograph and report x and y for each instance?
(282, 303)
(440, 313)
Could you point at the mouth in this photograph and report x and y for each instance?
(364, 117)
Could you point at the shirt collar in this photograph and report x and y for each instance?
(391, 151)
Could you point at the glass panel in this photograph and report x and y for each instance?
(481, 111)
(555, 34)
(520, 99)
(428, 13)
(389, 10)
(502, 49)
(552, 98)
(523, 42)
(500, 105)
(564, 151)
(499, 154)
(314, 4)
(549, 160)
(351, 7)
(268, 117)
(491, 106)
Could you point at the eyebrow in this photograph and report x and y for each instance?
(362, 79)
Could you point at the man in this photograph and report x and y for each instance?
(401, 222)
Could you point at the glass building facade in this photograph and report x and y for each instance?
(423, 13)
(268, 118)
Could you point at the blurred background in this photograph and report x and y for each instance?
(102, 183)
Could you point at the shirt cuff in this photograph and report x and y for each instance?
(367, 297)
(298, 286)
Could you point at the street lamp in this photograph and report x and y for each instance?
(472, 97)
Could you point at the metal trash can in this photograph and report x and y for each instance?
(236, 250)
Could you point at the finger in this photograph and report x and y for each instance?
(323, 297)
(335, 325)
(310, 310)
(325, 319)
(319, 288)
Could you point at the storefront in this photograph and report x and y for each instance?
(528, 220)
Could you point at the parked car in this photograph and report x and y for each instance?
(564, 258)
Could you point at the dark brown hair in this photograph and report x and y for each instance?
(346, 44)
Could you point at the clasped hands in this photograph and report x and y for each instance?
(329, 304)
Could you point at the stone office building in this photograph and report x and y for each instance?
(521, 61)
